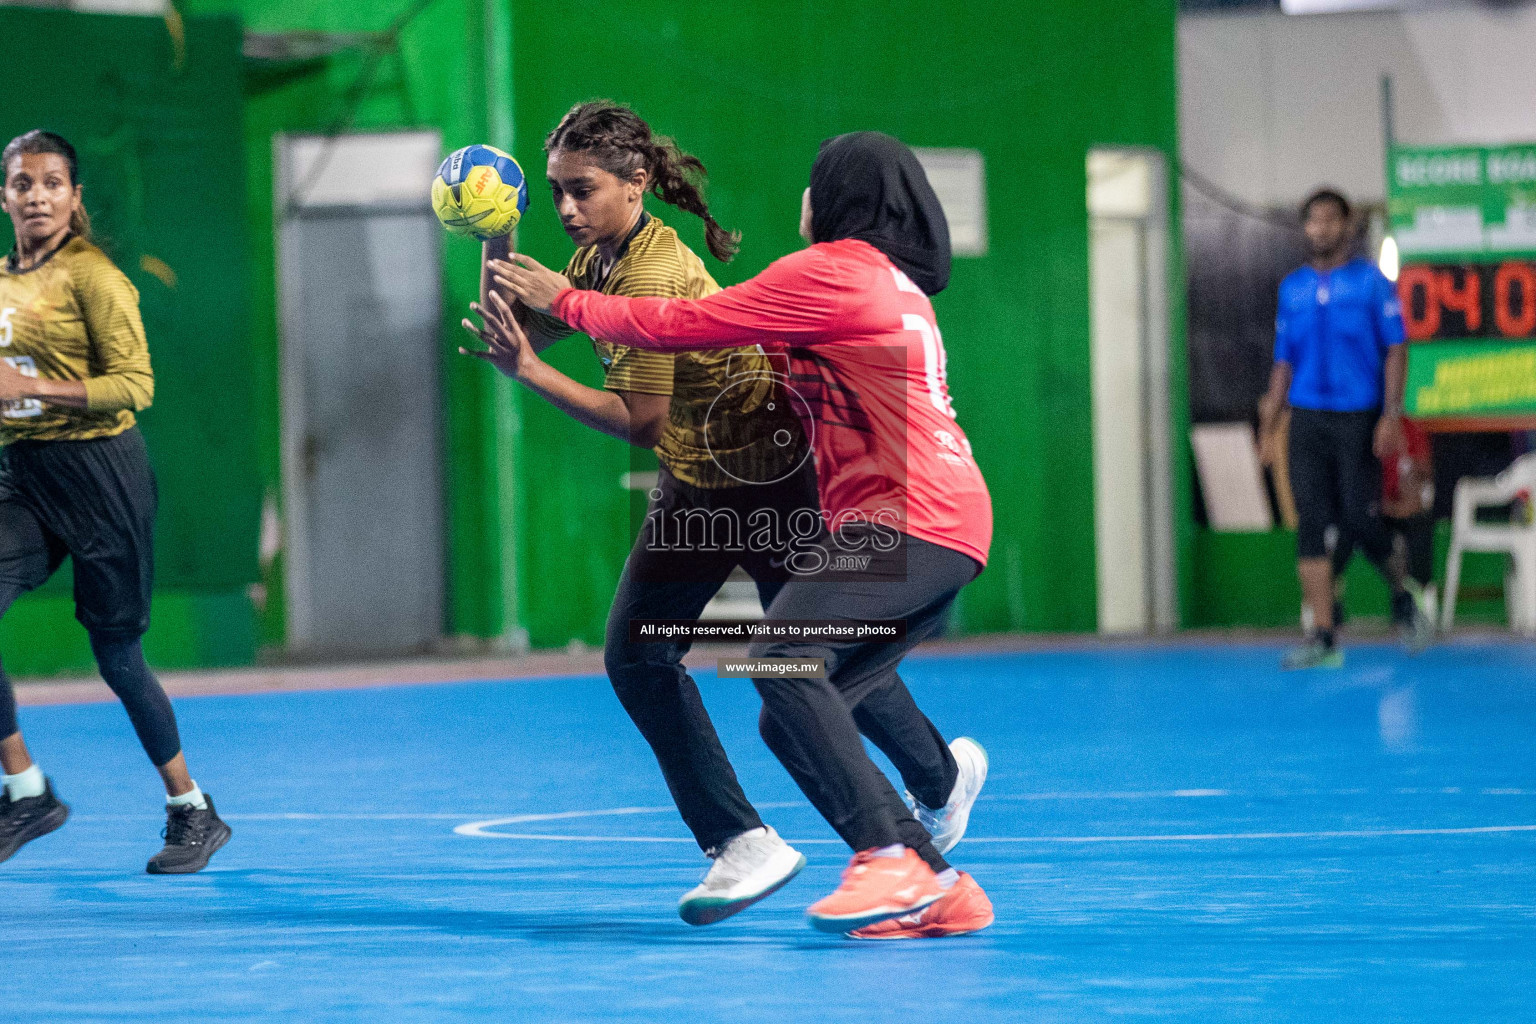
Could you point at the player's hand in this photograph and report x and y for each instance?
(1272, 436)
(14, 385)
(507, 347)
(1269, 437)
(534, 284)
(1269, 445)
(1389, 442)
(1270, 408)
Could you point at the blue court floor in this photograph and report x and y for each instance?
(1181, 833)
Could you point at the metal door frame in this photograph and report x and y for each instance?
(1154, 242)
(293, 426)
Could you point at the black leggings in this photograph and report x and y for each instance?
(672, 582)
(122, 666)
(813, 725)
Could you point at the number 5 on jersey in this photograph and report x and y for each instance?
(6, 329)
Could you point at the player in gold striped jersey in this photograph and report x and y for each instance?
(729, 445)
(75, 481)
(726, 429)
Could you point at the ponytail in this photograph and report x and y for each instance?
(621, 142)
(676, 177)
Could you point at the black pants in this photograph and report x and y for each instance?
(813, 725)
(1336, 481)
(95, 502)
(669, 576)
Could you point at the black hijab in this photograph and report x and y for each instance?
(869, 186)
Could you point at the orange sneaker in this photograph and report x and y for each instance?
(876, 889)
(964, 908)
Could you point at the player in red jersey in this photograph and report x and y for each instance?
(905, 503)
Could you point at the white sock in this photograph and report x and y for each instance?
(28, 782)
(947, 878)
(193, 796)
(894, 850)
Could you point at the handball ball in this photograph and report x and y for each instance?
(479, 192)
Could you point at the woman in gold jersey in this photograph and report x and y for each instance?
(75, 481)
(733, 458)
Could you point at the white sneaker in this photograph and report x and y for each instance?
(751, 866)
(947, 824)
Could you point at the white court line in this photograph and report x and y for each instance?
(486, 830)
(433, 816)
(1065, 795)
(541, 837)
(1201, 837)
(1274, 794)
(1152, 794)
(290, 816)
(479, 830)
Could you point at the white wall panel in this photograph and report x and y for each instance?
(1273, 105)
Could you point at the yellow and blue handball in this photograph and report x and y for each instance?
(479, 191)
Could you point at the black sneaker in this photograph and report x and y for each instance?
(29, 818)
(191, 837)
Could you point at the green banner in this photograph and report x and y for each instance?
(1471, 378)
(1475, 203)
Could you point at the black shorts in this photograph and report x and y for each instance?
(95, 502)
(1336, 481)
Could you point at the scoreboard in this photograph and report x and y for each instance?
(1472, 353)
(1469, 300)
(1464, 219)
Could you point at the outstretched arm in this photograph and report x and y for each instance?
(798, 298)
(627, 415)
(542, 331)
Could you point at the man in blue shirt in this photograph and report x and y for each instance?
(1340, 364)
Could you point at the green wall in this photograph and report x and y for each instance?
(753, 89)
(436, 78)
(156, 129)
(1249, 580)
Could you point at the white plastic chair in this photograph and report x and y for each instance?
(1516, 539)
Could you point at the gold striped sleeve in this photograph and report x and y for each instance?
(109, 303)
(644, 275)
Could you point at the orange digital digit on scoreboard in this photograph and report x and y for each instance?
(1469, 300)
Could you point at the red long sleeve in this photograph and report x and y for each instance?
(799, 299)
(866, 369)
